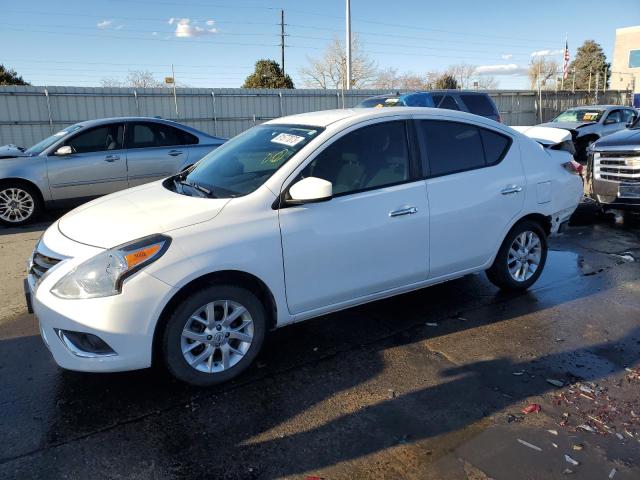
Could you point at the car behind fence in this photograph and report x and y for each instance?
(28, 114)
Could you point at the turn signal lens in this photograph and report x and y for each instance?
(142, 255)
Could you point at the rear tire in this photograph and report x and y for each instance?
(20, 203)
(214, 335)
(521, 258)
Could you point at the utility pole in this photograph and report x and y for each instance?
(282, 41)
(604, 84)
(573, 82)
(175, 96)
(597, 86)
(348, 44)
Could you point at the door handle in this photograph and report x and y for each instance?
(403, 211)
(511, 189)
(111, 158)
(175, 153)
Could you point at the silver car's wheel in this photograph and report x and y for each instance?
(524, 256)
(217, 336)
(17, 205)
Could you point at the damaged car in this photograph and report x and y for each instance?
(590, 123)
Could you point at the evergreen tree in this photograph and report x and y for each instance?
(590, 58)
(10, 77)
(268, 74)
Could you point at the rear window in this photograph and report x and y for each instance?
(479, 104)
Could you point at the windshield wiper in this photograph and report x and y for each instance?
(199, 188)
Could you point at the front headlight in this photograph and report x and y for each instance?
(102, 275)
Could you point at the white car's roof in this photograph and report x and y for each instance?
(354, 115)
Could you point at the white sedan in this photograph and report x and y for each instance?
(295, 218)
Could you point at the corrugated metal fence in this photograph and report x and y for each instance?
(28, 114)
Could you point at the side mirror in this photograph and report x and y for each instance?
(64, 150)
(310, 190)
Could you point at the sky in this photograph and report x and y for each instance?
(216, 43)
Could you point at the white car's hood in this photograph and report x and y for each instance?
(137, 212)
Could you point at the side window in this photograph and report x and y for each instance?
(99, 139)
(454, 147)
(615, 116)
(370, 157)
(629, 116)
(145, 135)
(446, 101)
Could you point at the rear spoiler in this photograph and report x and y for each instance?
(552, 138)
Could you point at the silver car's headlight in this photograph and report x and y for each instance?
(102, 275)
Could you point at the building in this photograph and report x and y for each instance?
(625, 68)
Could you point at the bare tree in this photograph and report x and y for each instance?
(387, 79)
(135, 79)
(329, 71)
(463, 73)
(542, 70)
(486, 82)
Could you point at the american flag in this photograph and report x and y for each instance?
(565, 65)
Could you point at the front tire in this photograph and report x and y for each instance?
(19, 204)
(521, 258)
(214, 335)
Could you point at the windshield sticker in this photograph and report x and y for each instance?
(590, 116)
(275, 157)
(287, 139)
(391, 101)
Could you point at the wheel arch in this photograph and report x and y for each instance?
(223, 277)
(24, 181)
(540, 218)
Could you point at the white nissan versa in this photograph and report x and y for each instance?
(295, 218)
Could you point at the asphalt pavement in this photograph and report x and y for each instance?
(427, 385)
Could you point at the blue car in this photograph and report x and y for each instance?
(478, 103)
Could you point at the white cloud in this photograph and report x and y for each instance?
(119, 27)
(506, 56)
(185, 28)
(154, 33)
(501, 69)
(545, 53)
(210, 23)
(104, 24)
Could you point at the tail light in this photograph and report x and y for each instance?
(573, 167)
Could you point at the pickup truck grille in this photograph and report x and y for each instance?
(40, 264)
(622, 167)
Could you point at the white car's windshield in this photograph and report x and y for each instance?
(244, 163)
(42, 145)
(579, 115)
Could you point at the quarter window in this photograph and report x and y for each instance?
(370, 157)
(99, 139)
(455, 147)
(446, 101)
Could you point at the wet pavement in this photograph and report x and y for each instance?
(425, 385)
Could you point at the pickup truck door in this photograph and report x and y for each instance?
(96, 166)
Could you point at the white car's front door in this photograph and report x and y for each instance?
(372, 236)
(476, 186)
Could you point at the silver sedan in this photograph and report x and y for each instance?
(94, 158)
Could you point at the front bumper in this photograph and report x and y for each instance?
(615, 195)
(126, 322)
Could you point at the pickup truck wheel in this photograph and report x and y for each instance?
(214, 335)
(19, 204)
(521, 257)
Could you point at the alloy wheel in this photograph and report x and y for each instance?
(217, 336)
(524, 256)
(16, 205)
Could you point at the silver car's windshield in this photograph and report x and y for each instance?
(244, 163)
(42, 145)
(580, 115)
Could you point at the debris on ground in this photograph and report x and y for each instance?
(612, 473)
(531, 408)
(567, 471)
(633, 373)
(392, 393)
(556, 383)
(530, 445)
(514, 418)
(553, 432)
(573, 462)
(578, 446)
(517, 374)
(431, 324)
